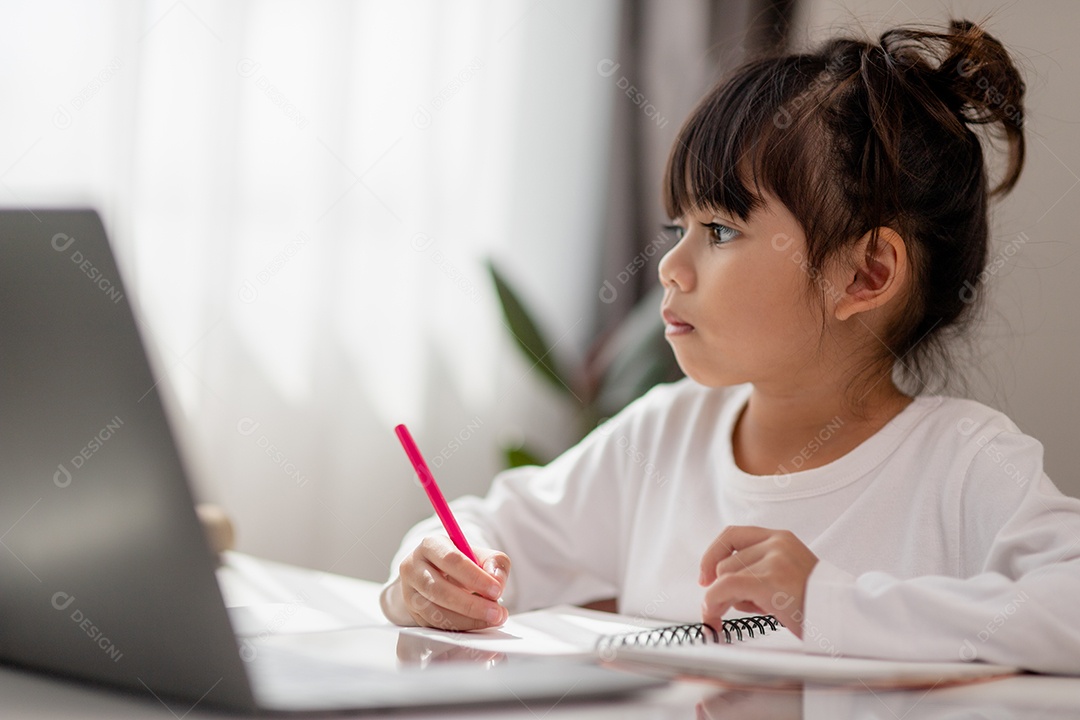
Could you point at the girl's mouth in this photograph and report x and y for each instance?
(674, 325)
(677, 329)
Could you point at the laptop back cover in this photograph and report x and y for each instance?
(104, 572)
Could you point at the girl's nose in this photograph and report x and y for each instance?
(674, 273)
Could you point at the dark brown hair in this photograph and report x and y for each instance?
(861, 135)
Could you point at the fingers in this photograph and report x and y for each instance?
(757, 570)
(739, 588)
(732, 539)
(437, 602)
(740, 560)
(495, 563)
(441, 587)
(451, 562)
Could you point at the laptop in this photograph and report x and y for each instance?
(105, 574)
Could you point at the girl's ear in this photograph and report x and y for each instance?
(880, 273)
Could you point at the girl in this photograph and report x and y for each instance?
(831, 209)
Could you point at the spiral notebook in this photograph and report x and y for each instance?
(732, 629)
(755, 650)
(758, 650)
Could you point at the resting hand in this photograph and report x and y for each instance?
(438, 586)
(756, 570)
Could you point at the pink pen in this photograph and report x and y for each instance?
(434, 493)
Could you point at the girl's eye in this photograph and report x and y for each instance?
(677, 230)
(721, 234)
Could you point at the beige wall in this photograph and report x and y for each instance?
(1030, 339)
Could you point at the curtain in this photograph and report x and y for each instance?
(302, 197)
(670, 52)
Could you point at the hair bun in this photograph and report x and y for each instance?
(968, 71)
(988, 89)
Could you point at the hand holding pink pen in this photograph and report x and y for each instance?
(427, 480)
(440, 584)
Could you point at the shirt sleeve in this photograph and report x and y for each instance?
(1020, 605)
(562, 525)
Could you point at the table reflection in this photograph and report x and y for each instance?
(760, 704)
(1014, 698)
(417, 651)
(1019, 698)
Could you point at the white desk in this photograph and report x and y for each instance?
(292, 599)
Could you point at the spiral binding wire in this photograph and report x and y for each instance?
(750, 623)
(690, 633)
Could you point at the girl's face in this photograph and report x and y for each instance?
(740, 302)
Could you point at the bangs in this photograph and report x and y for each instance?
(749, 135)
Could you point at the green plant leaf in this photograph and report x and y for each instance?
(518, 456)
(527, 333)
(634, 357)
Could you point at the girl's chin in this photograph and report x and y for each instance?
(708, 377)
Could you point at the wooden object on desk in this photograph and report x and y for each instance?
(219, 529)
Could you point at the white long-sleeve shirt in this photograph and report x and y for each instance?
(939, 538)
